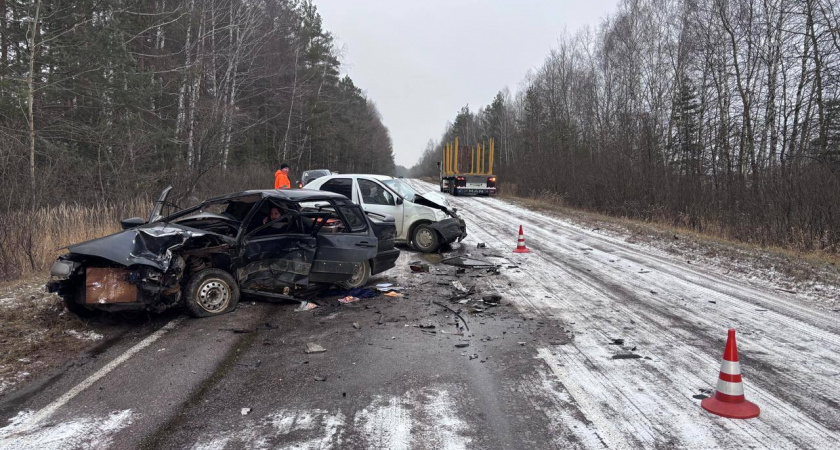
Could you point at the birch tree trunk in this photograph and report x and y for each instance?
(30, 84)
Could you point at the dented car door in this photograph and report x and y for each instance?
(272, 259)
(342, 251)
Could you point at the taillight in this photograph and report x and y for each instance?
(492, 179)
(300, 185)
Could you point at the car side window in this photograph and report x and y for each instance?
(343, 186)
(374, 194)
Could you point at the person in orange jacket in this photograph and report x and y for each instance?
(281, 178)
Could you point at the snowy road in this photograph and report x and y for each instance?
(537, 372)
(676, 315)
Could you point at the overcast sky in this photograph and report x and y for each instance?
(420, 61)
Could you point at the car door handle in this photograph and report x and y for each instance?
(365, 244)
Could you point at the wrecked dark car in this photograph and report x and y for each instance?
(268, 243)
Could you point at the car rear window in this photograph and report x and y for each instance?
(355, 217)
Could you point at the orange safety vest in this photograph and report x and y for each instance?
(281, 180)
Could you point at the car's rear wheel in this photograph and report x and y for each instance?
(211, 292)
(359, 279)
(425, 239)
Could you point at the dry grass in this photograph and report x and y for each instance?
(37, 333)
(31, 240)
(555, 204)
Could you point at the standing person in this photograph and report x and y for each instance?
(281, 178)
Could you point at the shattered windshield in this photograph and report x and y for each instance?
(401, 188)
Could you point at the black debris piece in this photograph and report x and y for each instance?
(617, 342)
(626, 356)
(492, 299)
(418, 266)
(463, 261)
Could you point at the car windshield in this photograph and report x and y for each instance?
(401, 188)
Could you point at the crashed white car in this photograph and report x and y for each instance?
(425, 221)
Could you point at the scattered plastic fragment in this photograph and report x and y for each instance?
(393, 294)
(418, 266)
(245, 411)
(306, 306)
(314, 348)
(462, 261)
(356, 325)
(349, 299)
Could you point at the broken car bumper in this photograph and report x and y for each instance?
(453, 229)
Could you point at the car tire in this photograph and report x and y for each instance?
(79, 310)
(211, 292)
(425, 239)
(359, 279)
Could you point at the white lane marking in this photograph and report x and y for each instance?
(609, 435)
(50, 409)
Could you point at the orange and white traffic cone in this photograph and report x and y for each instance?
(520, 244)
(729, 400)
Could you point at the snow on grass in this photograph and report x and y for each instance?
(89, 335)
(83, 432)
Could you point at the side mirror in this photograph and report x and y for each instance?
(438, 163)
(399, 200)
(131, 223)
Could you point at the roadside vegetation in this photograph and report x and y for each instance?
(721, 117)
(104, 103)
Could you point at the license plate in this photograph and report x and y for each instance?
(476, 185)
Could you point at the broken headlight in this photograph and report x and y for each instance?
(63, 269)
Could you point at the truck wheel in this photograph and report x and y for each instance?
(211, 292)
(359, 279)
(425, 239)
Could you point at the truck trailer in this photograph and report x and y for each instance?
(468, 170)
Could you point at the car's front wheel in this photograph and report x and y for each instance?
(211, 292)
(359, 279)
(425, 239)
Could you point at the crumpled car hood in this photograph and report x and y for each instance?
(147, 245)
(434, 200)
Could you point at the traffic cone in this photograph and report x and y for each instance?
(729, 399)
(520, 244)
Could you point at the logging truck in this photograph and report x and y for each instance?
(468, 169)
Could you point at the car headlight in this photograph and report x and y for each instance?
(63, 269)
(440, 215)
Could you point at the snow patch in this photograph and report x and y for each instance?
(386, 423)
(300, 429)
(85, 432)
(85, 335)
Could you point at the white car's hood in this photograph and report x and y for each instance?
(433, 197)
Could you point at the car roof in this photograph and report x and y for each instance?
(295, 195)
(357, 175)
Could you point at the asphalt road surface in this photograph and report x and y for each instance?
(597, 343)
